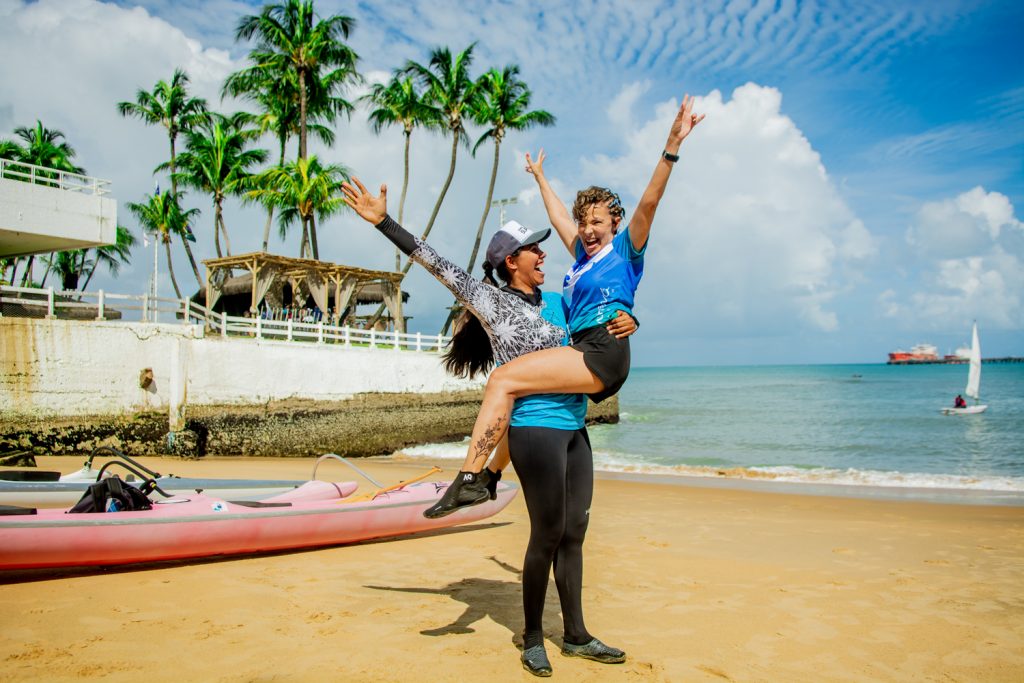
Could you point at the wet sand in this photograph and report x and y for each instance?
(695, 583)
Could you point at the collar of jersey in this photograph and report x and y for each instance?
(532, 299)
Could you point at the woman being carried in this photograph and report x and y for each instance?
(599, 284)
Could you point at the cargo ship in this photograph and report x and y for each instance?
(922, 353)
(927, 353)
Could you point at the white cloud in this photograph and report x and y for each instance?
(971, 252)
(751, 232)
(69, 62)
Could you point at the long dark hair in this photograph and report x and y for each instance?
(469, 351)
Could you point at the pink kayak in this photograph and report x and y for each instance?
(317, 513)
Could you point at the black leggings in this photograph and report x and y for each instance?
(556, 470)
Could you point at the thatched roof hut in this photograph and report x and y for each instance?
(276, 281)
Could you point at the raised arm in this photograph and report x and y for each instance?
(470, 292)
(640, 224)
(561, 219)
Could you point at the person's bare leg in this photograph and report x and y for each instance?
(551, 371)
(501, 457)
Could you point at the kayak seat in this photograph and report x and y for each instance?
(15, 510)
(29, 475)
(259, 504)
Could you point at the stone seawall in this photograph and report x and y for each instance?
(367, 424)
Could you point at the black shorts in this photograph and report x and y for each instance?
(605, 356)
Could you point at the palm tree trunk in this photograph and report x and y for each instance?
(401, 202)
(270, 210)
(444, 191)
(27, 276)
(184, 241)
(227, 240)
(487, 207)
(266, 228)
(14, 270)
(216, 232)
(479, 229)
(302, 113)
(46, 274)
(223, 227)
(170, 269)
(174, 182)
(84, 254)
(88, 278)
(303, 247)
(430, 224)
(312, 236)
(192, 260)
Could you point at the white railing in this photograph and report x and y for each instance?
(51, 177)
(101, 305)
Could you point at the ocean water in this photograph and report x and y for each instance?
(860, 425)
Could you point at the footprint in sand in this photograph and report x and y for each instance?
(715, 672)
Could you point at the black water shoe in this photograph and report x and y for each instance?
(595, 650)
(535, 660)
(469, 488)
(492, 482)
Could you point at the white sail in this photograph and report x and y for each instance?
(974, 375)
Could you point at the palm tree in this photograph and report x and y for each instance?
(290, 39)
(398, 103)
(301, 190)
(42, 147)
(170, 106)
(277, 97)
(68, 265)
(503, 105)
(452, 92)
(113, 256)
(162, 213)
(217, 162)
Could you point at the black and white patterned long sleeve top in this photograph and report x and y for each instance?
(514, 326)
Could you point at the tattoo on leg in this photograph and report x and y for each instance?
(486, 443)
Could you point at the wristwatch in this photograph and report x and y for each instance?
(673, 158)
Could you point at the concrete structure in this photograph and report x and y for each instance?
(42, 210)
(61, 368)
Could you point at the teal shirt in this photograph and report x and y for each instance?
(555, 411)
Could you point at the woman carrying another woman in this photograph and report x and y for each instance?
(548, 441)
(601, 282)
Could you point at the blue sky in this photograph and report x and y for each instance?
(856, 187)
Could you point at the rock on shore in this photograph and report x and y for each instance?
(367, 424)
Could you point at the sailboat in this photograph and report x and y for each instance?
(973, 380)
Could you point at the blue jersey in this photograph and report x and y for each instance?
(555, 411)
(596, 288)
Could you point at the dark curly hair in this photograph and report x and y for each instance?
(469, 351)
(595, 195)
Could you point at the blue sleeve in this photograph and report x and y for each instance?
(624, 246)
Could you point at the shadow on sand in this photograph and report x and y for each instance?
(502, 601)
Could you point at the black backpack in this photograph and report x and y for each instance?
(125, 496)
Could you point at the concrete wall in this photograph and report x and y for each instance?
(68, 367)
(36, 219)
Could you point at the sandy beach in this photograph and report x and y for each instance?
(695, 583)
